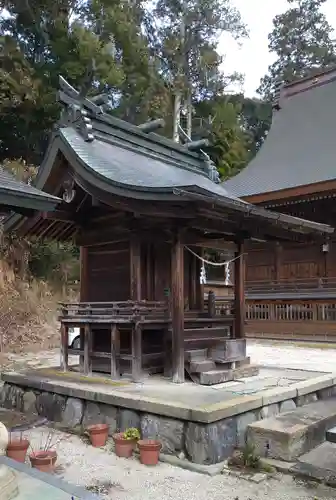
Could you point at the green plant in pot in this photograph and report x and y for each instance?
(125, 442)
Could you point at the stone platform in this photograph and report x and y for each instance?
(202, 423)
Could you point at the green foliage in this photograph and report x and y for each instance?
(132, 433)
(302, 41)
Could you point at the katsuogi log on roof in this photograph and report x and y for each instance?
(96, 159)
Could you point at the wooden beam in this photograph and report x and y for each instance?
(64, 348)
(135, 267)
(177, 308)
(59, 215)
(239, 278)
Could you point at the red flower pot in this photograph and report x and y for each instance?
(98, 434)
(149, 451)
(123, 447)
(17, 449)
(43, 460)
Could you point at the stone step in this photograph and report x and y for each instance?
(331, 435)
(318, 464)
(202, 366)
(291, 434)
(213, 377)
(196, 355)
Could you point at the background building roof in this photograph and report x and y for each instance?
(300, 148)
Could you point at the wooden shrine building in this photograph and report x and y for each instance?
(142, 208)
(291, 287)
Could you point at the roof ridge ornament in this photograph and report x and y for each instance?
(211, 168)
(76, 109)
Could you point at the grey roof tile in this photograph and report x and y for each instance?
(134, 169)
(300, 148)
(18, 194)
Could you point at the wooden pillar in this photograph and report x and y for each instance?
(239, 278)
(136, 352)
(135, 267)
(83, 292)
(200, 286)
(115, 352)
(277, 261)
(193, 281)
(211, 304)
(84, 274)
(87, 350)
(64, 348)
(177, 309)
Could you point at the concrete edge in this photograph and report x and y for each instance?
(207, 414)
(208, 470)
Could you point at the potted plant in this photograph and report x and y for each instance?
(125, 442)
(98, 434)
(17, 447)
(149, 451)
(44, 458)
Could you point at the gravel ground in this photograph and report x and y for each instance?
(126, 479)
(84, 465)
(271, 354)
(292, 356)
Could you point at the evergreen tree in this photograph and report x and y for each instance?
(302, 41)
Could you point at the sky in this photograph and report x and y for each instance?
(252, 57)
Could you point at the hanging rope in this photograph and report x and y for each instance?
(226, 264)
(210, 263)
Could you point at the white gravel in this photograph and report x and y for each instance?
(297, 356)
(84, 465)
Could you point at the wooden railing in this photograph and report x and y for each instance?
(80, 312)
(291, 311)
(304, 285)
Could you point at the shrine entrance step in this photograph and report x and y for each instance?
(206, 368)
(291, 434)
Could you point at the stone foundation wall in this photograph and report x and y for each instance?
(199, 443)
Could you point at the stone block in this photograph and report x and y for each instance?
(287, 405)
(73, 413)
(211, 443)
(269, 411)
(292, 433)
(306, 399)
(202, 366)
(313, 384)
(127, 419)
(29, 402)
(100, 414)
(243, 421)
(13, 395)
(277, 394)
(51, 406)
(326, 393)
(228, 350)
(168, 430)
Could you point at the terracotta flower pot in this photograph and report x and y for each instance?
(43, 460)
(98, 434)
(17, 449)
(123, 447)
(149, 451)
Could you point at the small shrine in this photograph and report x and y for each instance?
(143, 208)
